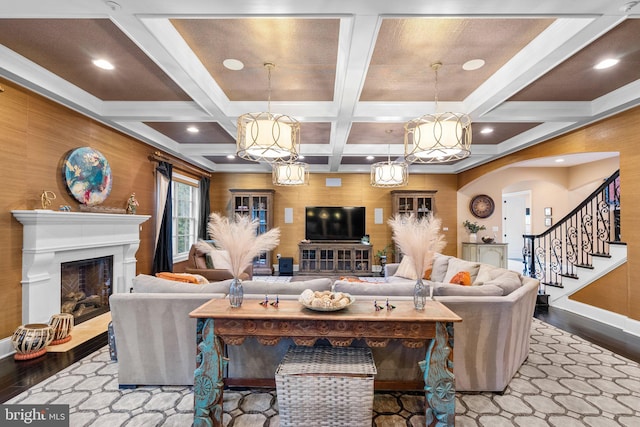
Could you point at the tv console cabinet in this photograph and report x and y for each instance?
(335, 258)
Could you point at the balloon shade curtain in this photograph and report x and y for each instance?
(163, 256)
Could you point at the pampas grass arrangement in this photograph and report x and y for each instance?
(418, 238)
(240, 239)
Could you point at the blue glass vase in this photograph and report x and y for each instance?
(419, 295)
(236, 293)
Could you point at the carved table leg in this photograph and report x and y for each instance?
(208, 377)
(439, 386)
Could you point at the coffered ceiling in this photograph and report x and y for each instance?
(352, 72)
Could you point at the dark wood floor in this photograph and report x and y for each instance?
(16, 377)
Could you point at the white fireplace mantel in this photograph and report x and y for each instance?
(51, 238)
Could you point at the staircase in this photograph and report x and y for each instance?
(558, 296)
(580, 248)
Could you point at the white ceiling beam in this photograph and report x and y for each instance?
(357, 41)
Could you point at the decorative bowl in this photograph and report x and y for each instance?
(488, 240)
(306, 299)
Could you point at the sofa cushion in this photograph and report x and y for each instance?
(508, 281)
(272, 289)
(143, 283)
(449, 289)
(457, 265)
(439, 267)
(390, 289)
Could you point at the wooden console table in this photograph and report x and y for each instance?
(219, 324)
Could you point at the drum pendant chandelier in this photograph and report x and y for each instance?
(290, 174)
(266, 136)
(389, 174)
(438, 137)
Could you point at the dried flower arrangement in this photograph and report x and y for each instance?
(241, 240)
(418, 238)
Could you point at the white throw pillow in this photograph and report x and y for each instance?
(485, 273)
(220, 259)
(509, 281)
(457, 265)
(439, 267)
(406, 269)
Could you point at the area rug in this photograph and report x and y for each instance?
(566, 382)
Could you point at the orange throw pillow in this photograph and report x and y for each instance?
(352, 279)
(178, 277)
(461, 278)
(427, 274)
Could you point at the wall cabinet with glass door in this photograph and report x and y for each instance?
(418, 203)
(258, 205)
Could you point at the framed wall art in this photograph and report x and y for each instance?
(88, 175)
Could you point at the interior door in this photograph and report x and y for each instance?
(516, 221)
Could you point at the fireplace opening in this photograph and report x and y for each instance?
(86, 287)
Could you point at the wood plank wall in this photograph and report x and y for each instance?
(35, 136)
(355, 191)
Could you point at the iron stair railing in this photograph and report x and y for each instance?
(584, 233)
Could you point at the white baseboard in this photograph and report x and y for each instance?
(606, 317)
(632, 326)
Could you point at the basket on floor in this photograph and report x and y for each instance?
(326, 386)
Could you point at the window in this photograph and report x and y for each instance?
(186, 212)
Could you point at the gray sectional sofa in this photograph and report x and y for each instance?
(155, 337)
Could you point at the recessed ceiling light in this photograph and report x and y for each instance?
(370, 157)
(607, 63)
(193, 129)
(103, 63)
(233, 64)
(559, 160)
(473, 64)
(486, 130)
(230, 156)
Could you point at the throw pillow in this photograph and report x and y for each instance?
(352, 279)
(508, 281)
(448, 289)
(406, 269)
(439, 267)
(461, 278)
(220, 259)
(178, 277)
(485, 273)
(143, 283)
(456, 265)
(427, 274)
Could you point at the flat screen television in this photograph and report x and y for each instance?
(334, 223)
